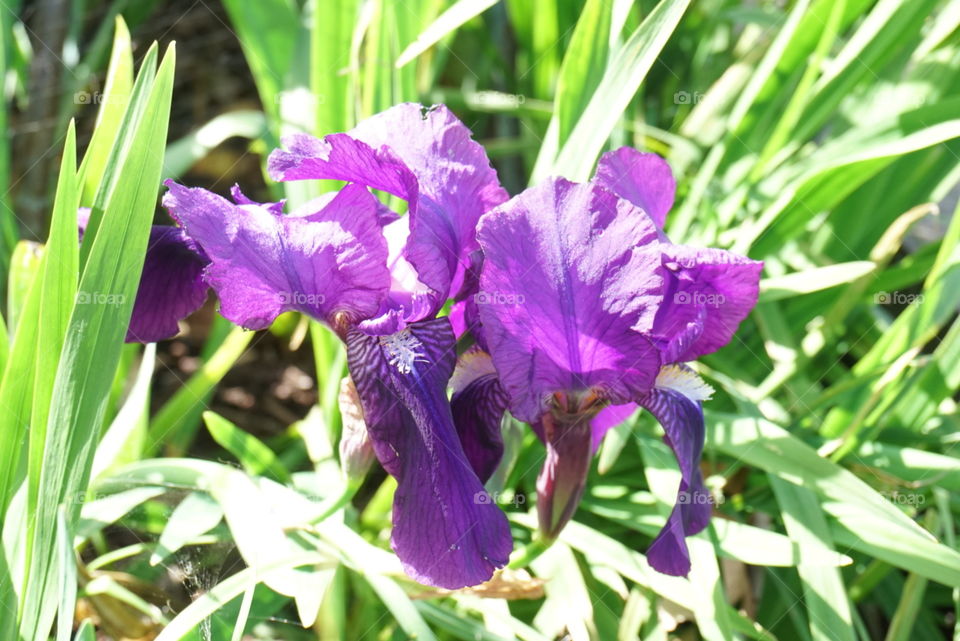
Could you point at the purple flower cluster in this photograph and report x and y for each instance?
(576, 304)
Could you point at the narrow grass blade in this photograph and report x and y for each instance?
(824, 593)
(255, 457)
(113, 104)
(624, 74)
(94, 339)
(173, 424)
(448, 22)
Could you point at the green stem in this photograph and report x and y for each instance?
(337, 503)
(526, 555)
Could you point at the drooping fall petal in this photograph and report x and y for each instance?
(447, 531)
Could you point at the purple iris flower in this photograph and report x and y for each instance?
(379, 281)
(588, 310)
(171, 283)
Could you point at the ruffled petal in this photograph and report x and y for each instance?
(324, 263)
(707, 293)
(569, 283)
(675, 403)
(342, 157)
(426, 157)
(478, 404)
(447, 531)
(644, 179)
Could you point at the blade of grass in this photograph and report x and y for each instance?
(824, 594)
(623, 76)
(172, 424)
(116, 95)
(255, 457)
(450, 20)
(94, 339)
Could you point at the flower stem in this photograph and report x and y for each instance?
(525, 556)
(337, 503)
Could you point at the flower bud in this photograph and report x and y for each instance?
(356, 451)
(564, 474)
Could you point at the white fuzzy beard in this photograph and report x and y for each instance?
(403, 350)
(684, 380)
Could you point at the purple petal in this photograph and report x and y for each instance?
(171, 286)
(457, 185)
(446, 530)
(427, 158)
(681, 416)
(330, 262)
(241, 199)
(608, 418)
(563, 476)
(478, 404)
(708, 293)
(567, 282)
(643, 179)
(342, 157)
(171, 283)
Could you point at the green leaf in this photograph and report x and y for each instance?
(624, 74)
(224, 592)
(196, 515)
(449, 21)
(94, 339)
(59, 275)
(113, 104)
(268, 31)
(813, 280)
(583, 65)
(68, 577)
(172, 424)
(182, 154)
(123, 440)
(333, 68)
(255, 457)
(400, 606)
(824, 594)
(881, 530)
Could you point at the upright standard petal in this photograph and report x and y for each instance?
(478, 404)
(642, 178)
(675, 403)
(426, 157)
(707, 294)
(331, 262)
(447, 531)
(568, 280)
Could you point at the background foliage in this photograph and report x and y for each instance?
(821, 136)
